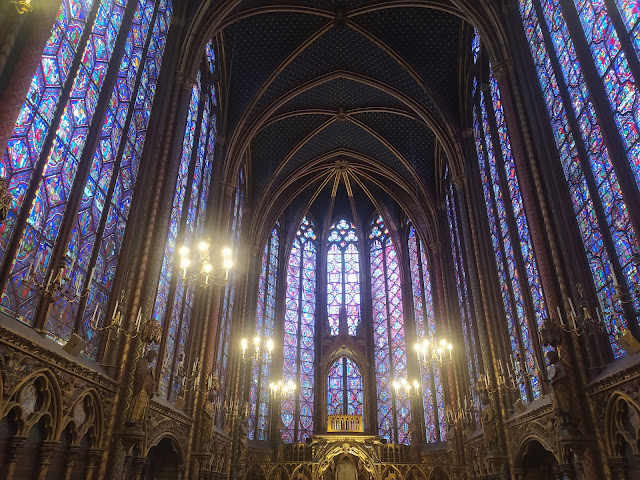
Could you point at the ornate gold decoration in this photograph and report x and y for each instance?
(143, 388)
(22, 6)
(345, 423)
(5, 200)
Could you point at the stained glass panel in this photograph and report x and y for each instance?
(225, 322)
(343, 277)
(345, 390)
(104, 188)
(265, 318)
(299, 334)
(394, 412)
(168, 262)
(61, 165)
(37, 114)
(597, 155)
(425, 327)
(630, 13)
(475, 45)
(613, 68)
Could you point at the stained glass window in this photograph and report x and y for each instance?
(519, 280)
(432, 393)
(475, 45)
(394, 412)
(299, 334)
(591, 176)
(345, 390)
(469, 332)
(229, 292)
(50, 136)
(259, 394)
(343, 277)
(175, 294)
(613, 67)
(630, 13)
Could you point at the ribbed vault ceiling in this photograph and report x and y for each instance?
(371, 85)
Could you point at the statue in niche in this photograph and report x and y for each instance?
(206, 429)
(488, 422)
(560, 387)
(143, 390)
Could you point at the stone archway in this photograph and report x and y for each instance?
(164, 461)
(535, 462)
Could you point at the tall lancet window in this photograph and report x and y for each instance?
(259, 394)
(469, 331)
(394, 412)
(175, 294)
(345, 391)
(343, 277)
(226, 309)
(432, 394)
(594, 163)
(519, 280)
(299, 334)
(70, 194)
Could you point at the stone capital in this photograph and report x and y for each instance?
(184, 80)
(459, 182)
(503, 67)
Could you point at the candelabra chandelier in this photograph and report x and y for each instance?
(59, 283)
(206, 270)
(22, 6)
(406, 389)
(507, 378)
(434, 351)
(259, 344)
(455, 415)
(282, 389)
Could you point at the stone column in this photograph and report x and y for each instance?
(94, 456)
(47, 449)
(70, 457)
(13, 451)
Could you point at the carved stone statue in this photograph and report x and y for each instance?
(560, 387)
(143, 389)
(206, 427)
(489, 423)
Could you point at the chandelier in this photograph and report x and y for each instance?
(202, 259)
(433, 351)
(282, 389)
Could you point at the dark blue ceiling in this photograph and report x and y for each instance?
(418, 59)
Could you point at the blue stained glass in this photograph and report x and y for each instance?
(299, 327)
(630, 13)
(597, 155)
(394, 412)
(168, 262)
(613, 67)
(193, 218)
(345, 390)
(104, 163)
(425, 327)
(512, 294)
(49, 206)
(34, 120)
(225, 322)
(475, 45)
(526, 245)
(343, 283)
(468, 326)
(265, 319)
